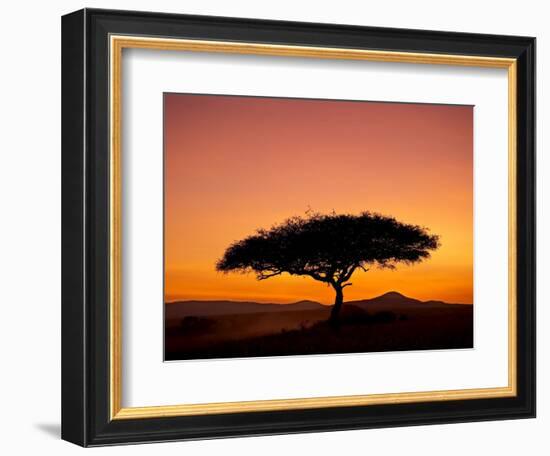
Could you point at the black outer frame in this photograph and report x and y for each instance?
(85, 227)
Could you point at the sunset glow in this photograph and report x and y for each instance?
(235, 164)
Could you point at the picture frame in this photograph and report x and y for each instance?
(92, 366)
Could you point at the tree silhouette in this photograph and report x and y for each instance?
(329, 248)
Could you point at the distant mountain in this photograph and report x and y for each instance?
(388, 301)
(397, 301)
(181, 309)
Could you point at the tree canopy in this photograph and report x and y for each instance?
(329, 248)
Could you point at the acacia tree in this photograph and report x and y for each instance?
(329, 248)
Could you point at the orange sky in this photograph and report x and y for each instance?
(235, 164)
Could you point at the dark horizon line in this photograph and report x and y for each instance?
(313, 301)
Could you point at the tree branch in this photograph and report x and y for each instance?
(347, 274)
(264, 276)
(318, 277)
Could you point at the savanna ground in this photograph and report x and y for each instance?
(373, 327)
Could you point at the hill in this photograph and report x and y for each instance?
(392, 321)
(388, 301)
(181, 309)
(394, 300)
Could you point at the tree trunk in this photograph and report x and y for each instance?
(335, 312)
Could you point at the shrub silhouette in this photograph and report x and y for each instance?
(329, 248)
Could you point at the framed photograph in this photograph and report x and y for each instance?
(278, 227)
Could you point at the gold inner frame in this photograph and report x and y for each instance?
(117, 44)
